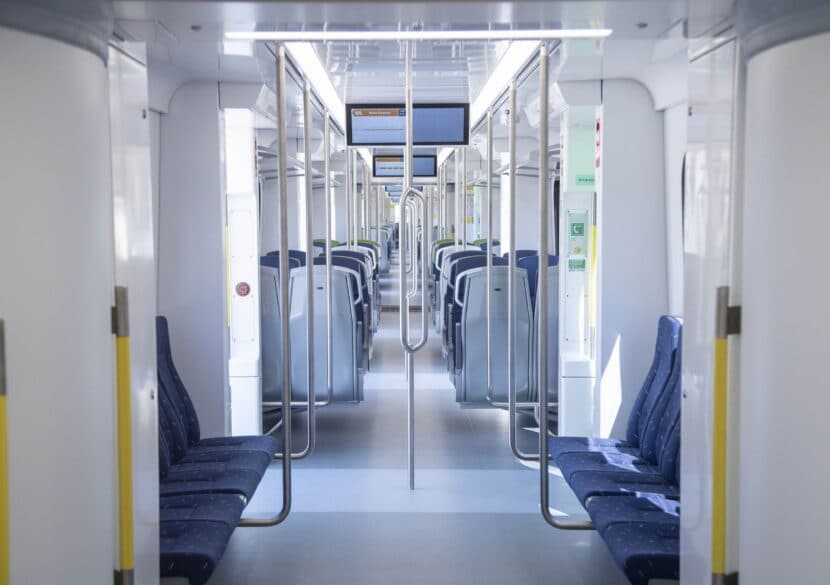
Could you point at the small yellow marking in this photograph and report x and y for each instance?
(719, 456)
(125, 452)
(4, 494)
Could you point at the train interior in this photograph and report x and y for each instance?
(367, 293)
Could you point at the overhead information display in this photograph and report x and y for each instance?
(392, 166)
(385, 124)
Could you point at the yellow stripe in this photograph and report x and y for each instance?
(228, 272)
(592, 283)
(125, 452)
(4, 494)
(719, 457)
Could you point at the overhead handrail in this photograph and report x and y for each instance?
(542, 305)
(280, 516)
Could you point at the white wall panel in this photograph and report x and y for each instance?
(786, 313)
(56, 292)
(132, 193)
(192, 286)
(632, 248)
(674, 140)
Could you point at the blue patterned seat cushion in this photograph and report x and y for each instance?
(192, 549)
(209, 478)
(645, 551)
(587, 484)
(224, 508)
(606, 511)
(560, 445)
(263, 443)
(251, 460)
(570, 463)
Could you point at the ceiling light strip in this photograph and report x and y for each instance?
(312, 36)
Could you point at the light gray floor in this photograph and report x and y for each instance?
(473, 518)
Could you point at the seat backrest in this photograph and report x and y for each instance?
(355, 277)
(452, 258)
(465, 265)
(665, 348)
(270, 333)
(352, 263)
(272, 259)
(169, 377)
(520, 254)
(531, 264)
(662, 417)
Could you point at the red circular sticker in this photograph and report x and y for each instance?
(243, 289)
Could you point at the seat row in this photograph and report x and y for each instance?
(631, 488)
(204, 484)
(459, 290)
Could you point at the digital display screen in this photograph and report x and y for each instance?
(392, 166)
(394, 189)
(385, 124)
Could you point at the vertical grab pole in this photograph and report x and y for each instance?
(121, 328)
(463, 199)
(542, 301)
(367, 220)
(4, 464)
(409, 348)
(309, 271)
(410, 358)
(355, 232)
(349, 187)
(511, 259)
(489, 297)
(511, 287)
(329, 238)
(458, 239)
(284, 331)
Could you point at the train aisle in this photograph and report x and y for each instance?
(473, 517)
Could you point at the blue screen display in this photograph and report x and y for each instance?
(385, 125)
(392, 166)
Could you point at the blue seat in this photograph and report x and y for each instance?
(170, 380)
(605, 511)
(179, 476)
(645, 550)
(296, 258)
(656, 380)
(654, 447)
(531, 264)
(652, 471)
(631, 488)
(520, 254)
(194, 531)
(204, 484)
(454, 317)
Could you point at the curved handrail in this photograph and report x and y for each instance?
(404, 301)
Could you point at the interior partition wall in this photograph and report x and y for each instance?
(56, 294)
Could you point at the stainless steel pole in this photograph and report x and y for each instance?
(284, 332)
(542, 302)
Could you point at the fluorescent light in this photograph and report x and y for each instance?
(366, 155)
(514, 58)
(307, 60)
(312, 36)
